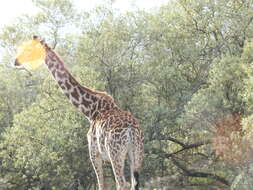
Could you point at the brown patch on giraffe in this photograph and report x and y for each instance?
(53, 72)
(73, 81)
(61, 75)
(85, 112)
(81, 90)
(75, 94)
(67, 95)
(68, 85)
(93, 98)
(93, 108)
(60, 83)
(94, 115)
(60, 67)
(118, 130)
(50, 65)
(85, 102)
(107, 107)
(104, 103)
(99, 104)
(75, 104)
(117, 135)
(57, 66)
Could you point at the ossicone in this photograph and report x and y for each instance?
(35, 37)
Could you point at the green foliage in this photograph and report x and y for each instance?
(50, 133)
(18, 90)
(221, 95)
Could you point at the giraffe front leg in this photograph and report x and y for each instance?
(97, 162)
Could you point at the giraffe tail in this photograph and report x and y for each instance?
(134, 172)
(136, 177)
(136, 158)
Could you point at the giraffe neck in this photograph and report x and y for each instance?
(91, 103)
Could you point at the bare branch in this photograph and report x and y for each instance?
(184, 147)
(192, 173)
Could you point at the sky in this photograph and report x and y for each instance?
(9, 9)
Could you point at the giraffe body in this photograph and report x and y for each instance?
(114, 134)
(113, 137)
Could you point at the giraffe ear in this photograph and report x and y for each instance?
(42, 42)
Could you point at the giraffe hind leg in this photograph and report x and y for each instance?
(97, 165)
(117, 159)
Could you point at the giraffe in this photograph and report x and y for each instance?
(114, 134)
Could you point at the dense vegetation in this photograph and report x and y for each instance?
(184, 70)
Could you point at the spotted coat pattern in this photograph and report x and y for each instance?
(114, 134)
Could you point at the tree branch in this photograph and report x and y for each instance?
(186, 147)
(172, 140)
(192, 173)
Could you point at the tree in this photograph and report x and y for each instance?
(46, 147)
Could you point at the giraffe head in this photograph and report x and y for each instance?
(31, 53)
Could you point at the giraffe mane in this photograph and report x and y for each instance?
(93, 91)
